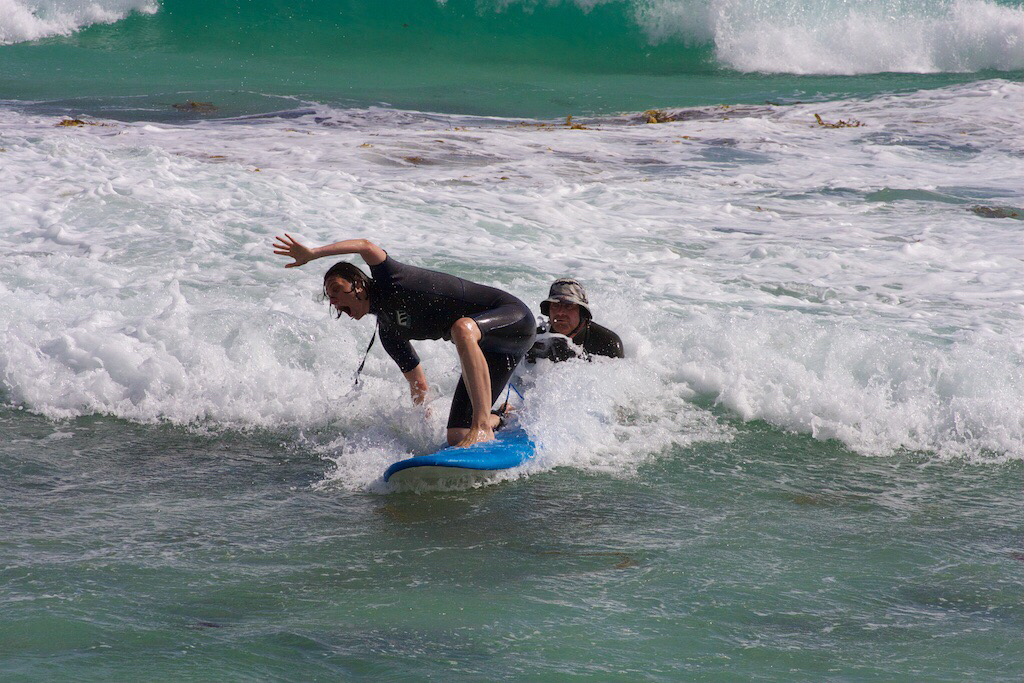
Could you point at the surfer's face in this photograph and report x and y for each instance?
(345, 298)
(564, 317)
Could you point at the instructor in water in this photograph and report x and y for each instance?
(491, 329)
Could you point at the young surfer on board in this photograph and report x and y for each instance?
(570, 330)
(491, 329)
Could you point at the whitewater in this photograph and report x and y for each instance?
(858, 283)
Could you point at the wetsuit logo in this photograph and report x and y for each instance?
(403, 318)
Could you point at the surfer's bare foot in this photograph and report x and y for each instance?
(476, 435)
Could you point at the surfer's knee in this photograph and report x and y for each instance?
(465, 331)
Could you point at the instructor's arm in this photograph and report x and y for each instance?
(291, 247)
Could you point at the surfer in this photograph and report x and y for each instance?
(570, 330)
(491, 329)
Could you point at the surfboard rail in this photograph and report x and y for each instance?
(510, 449)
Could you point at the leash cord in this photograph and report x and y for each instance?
(366, 355)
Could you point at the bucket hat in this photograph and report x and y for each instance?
(566, 290)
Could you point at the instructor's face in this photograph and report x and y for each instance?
(564, 317)
(343, 297)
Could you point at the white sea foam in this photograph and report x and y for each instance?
(853, 283)
(794, 36)
(24, 20)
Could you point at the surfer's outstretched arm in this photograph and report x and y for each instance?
(291, 247)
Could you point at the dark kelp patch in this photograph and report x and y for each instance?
(537, 125)
(658, 116)
(997, 212)
(75, 123)
(195, 107)
(852, 123)
(721, 112)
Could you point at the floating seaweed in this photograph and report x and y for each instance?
(996, 212)
(74, 123)
(852, 123)
(546, 126)
(528, 124)
(197, 107)
(658, 116)
(719, 112)
(574, 126)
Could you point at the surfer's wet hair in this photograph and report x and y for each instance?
(351, 273)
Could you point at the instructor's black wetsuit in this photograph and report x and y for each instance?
(593, 339)
(415, 303)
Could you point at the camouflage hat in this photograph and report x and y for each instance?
(567, 291)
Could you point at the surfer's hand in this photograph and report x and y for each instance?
(418, 386)
(291, 247)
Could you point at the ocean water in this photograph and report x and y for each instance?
(134, 59)
(808, 467)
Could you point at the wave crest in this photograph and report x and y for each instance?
(25, 20)
(837, 37)
(791, 36)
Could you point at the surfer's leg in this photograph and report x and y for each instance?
(499, 367)
(476, 379)
(500, 338)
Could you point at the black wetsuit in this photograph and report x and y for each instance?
(594, 339)
(415, 303)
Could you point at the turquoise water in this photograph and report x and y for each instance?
(137, 552)
(519, 59)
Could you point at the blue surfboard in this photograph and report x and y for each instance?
(510, 448)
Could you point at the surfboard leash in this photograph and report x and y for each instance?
(508, 394)
(359, 370)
